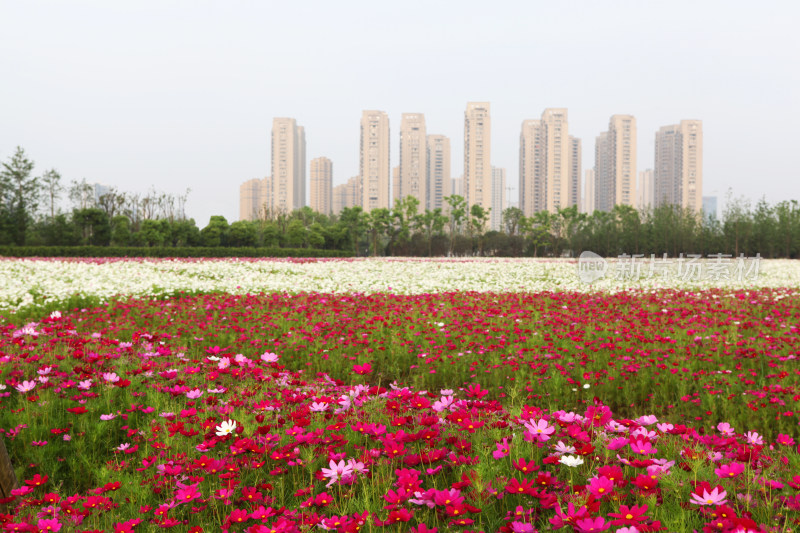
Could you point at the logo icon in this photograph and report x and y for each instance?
(591, 267)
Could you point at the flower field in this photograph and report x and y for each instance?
(285, 396)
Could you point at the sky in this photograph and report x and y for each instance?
(177, 95)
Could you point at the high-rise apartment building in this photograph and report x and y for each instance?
(549, 164)
(254, 199)
(374, 160)
(531, 167)
(575, 168)
(249, 199)
(413, 155)
(457, 186)
(587, 206)
(678, 172)
(498, 198)
(644, 192)
(615, 164)
(322, 185)
(438, 161)
(346, 195)
(288, 165)
(477, 155)
(395, 185)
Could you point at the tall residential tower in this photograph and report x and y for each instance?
(288, 165)
(678, 172)
(322, 185)
(413, 155)
(374, 167)
(477, 155)
(615, 164)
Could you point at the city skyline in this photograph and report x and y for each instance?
(191, 105)
(550, 168)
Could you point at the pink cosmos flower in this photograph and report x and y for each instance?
(48, 525)
(591, 525)
(366, 368)
(269, 357)
(336, 471)
(754, 438)
(194, 394)
(187, 494)
(25, 386)
(539, 430)
(643, 448)
(601, 487)
(786, 440)
(725, 428)
(318, 407)
(110, 377)
(715, 497)
(502, 449)
(729, 471)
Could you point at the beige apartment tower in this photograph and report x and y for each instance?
(438, 162)
(249, 199)
(575, 170)
(346, 195)
(477, 155)
(498, 198)
(288, 165)
(678, 172)
(413, 154)
(615, 164)
(644, 192)
(587, 205)
(374, 160)
(254, 198)
(531, 167)
(322, 185)
(549, 164)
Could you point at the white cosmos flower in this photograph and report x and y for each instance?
(226, 428)
(570, 460)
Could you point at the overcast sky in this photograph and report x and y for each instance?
(181, 95)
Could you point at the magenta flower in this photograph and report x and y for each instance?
(715, 497)
(643, 448)
(48, 524)
(601, 487)
(187, 494)
(502, 449)
(590, 525)
(729, 471)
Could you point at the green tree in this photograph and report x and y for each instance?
(353, 220)
(478, 218)
(19, 197)
(296, 234)
(378, 222)
(458, 212)
(155, 232)
(184, 232)
(243, 233)
(120, 230)
(51, 189)
(215, 233)
(430, 223)
(93, 226)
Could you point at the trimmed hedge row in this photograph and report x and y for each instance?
(163, 251)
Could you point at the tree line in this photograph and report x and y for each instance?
(30, 216)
